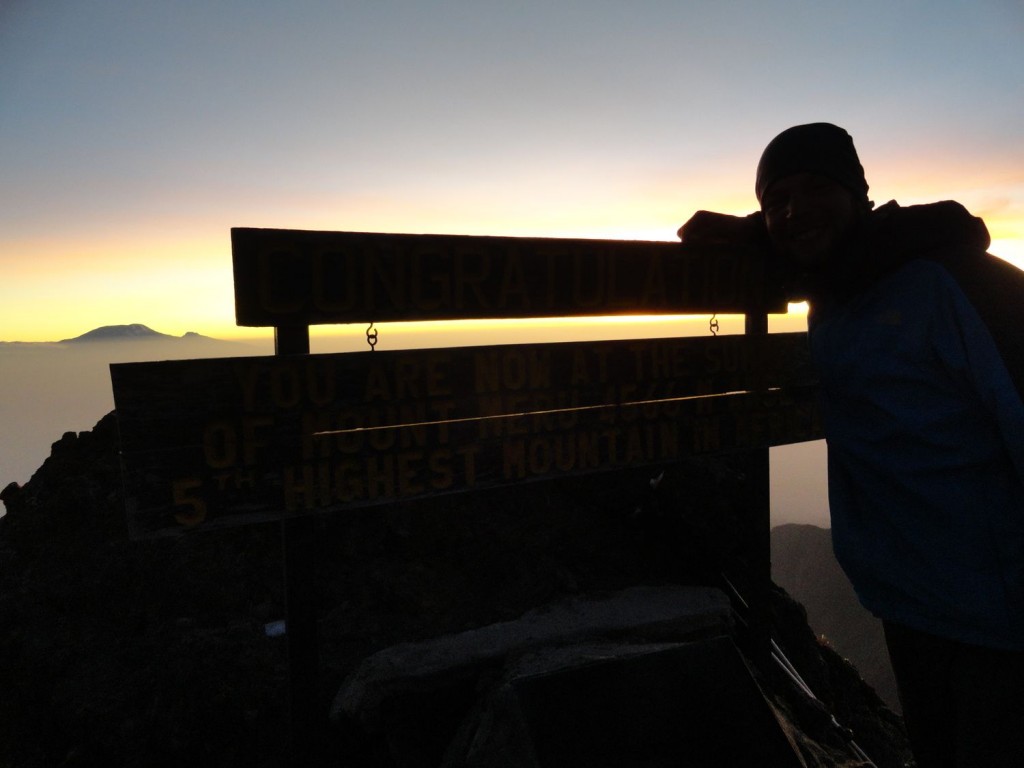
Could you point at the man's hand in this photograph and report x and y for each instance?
(710, 228)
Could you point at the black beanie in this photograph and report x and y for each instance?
(815, 148)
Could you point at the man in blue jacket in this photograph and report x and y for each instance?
(916, 334)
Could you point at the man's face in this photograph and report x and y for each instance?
(808, 215)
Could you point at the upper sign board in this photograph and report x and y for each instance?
(295, 277)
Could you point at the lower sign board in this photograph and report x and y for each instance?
(237, 440)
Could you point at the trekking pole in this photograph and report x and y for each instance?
(787, 667)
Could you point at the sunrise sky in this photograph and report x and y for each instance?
(134, 134)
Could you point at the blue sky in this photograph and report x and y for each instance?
(134, 135)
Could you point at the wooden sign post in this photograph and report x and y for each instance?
(209, 443)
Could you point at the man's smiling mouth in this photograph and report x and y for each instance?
(810, 233)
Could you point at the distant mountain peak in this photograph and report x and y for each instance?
(135, 332)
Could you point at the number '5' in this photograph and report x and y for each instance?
(185, 496)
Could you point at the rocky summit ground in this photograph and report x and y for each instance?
(116, 652)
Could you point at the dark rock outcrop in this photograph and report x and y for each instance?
(148, 653)
(803, 564)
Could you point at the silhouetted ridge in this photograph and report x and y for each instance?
(803, 564)
(131, 332)
(135, 331)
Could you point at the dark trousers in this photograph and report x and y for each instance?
(963, 705)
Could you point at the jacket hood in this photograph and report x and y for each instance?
(918, 230)
(889, 237)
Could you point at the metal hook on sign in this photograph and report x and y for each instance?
(371, 337)
(713, 325)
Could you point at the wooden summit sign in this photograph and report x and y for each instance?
(236, 440)
(230, 441)
(290, 277)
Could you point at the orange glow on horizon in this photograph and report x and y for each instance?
(175, 275)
